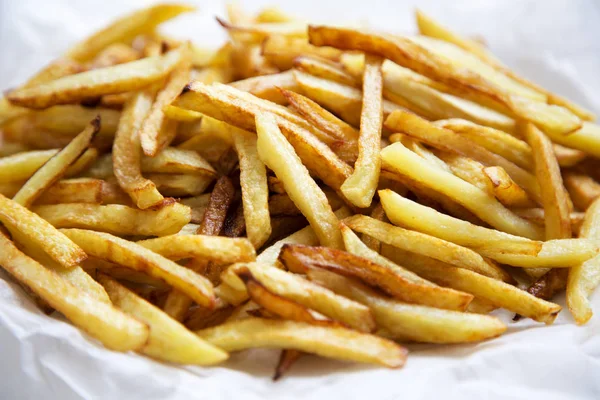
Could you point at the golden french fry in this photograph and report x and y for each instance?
(212, 248)
(447, 140)
(126, 77)
(168, 339)
(567, 157)
(57, 166)
(117, 219)
(257, 32)
(330, 342)
(325, 69)
(413, 322)
(279, 155)
(255, 190)
(582, 189)
(497, 292)
(181, 185)
(585, 277)
(284, 51)
(136, 257)
(426, 245)
(554, 195)
(172, 160)
(77, 190)
(399, 159)
(458, 70)
(150, 131)
(17, 218)
(506, 190)
(465, 168)
(360, 187)
(114, 329)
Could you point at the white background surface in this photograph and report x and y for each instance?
(553, 42)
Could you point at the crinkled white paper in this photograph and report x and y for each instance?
(553, 42)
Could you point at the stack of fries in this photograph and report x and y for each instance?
(315, 189)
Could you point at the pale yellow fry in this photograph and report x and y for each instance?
(255, 189)
(168, 340)
(117, 219)
(360, 187)
(102, 321)
(17, 218)
(426, 245)
(267, 86)
(585, 277)
(399, 159)
(332, 342)
(172, 160)
(21, 166)
(554, 194)
(150, 131)
(410, 321)
(212, 248)
(418, 290)
(499, 293)
(120, 78)
(127, 151)
(126, 28)
(136, 257)
(181, 185)
(57, 166)
(276, 152)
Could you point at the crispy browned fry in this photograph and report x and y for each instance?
(235, 225)
(334, 342)
(255, 190)
(554, 195)
(426, 245)
(343, 100)
(126, 155)
(493, 290)
(281, 204)
(216, 210)
(134, 256)
(101, 320)
(151, 135)
(267, 86)
(240, 108)
(201, 318)
(57, 166)
(506, 190)
(360, 187)
(416, 55)
(582, 189)
(280, 156)
(126, 77)
(496, 141)
(400, 160)
(430, 27)
(418, 290)
(414, 322)
(445, 139)
(287, 358)
(283, 51)
(17, 218)
(117, 219)
(211, 248)
(125, 29)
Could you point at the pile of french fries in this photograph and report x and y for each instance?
(316, 189)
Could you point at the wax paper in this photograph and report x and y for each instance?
(553, 42)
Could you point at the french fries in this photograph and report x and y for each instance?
(136, 257)
(168, 340)
(56, 167)
(314, 189)
(340, 343)
(280, 156)
(117, 219)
